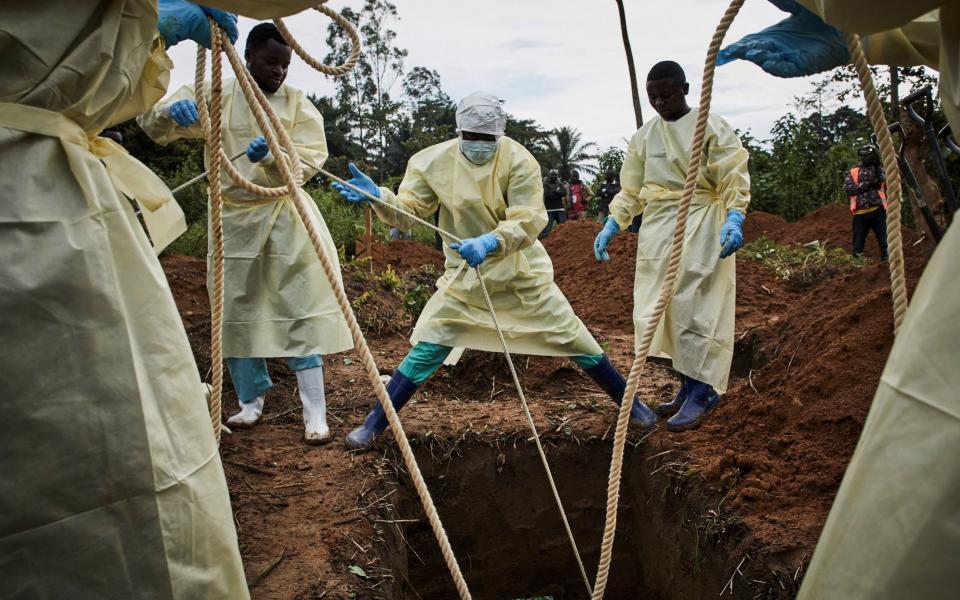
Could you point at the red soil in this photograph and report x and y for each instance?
(806, 366)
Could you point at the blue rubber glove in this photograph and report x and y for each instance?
(181, 20)
(361, 181)
(802, 44)
(184, 112)
(731, 235)
(257, 149)
(475, 250)
(610, 229)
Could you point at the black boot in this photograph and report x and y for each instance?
(701, 399)
(400, 390)
(668, 409)
(609, 379)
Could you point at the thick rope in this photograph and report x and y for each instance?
(666, 293)
(347, 65)
(292, 188)
(506, 353)
(213, 132)
(898, 279)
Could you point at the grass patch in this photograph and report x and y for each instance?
(803, 266)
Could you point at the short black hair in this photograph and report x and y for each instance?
(667, 69)
(261, 34)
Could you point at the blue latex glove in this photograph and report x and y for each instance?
(610, 229)
(181, 20)
(361, 181)
(184, 112)
(802, 44)
(257, 149)
(731, 235)
(475, 250)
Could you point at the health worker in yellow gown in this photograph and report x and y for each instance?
(277, 300)
(489, 191)
(697, 327)
(111, 483)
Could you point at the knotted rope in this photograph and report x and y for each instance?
(898, 279)
(666, 293)
(285, 155)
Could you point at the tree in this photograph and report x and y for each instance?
(531, 136)
(364, 94)
(634, 90)
(566, 152)
(610, 159)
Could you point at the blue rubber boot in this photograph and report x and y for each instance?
(612, 382)
(668, 409)
(400, 390)
(701, 399)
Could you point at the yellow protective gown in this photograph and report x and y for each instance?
(894, 529)
(277, 300)
(697, 327)
(111, 482)
(505, 197)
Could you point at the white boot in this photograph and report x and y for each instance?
(249, 414)
(315, 430)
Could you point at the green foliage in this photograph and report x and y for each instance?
(566, 151)
(418, 286)
(390, 279)
(344, 220)
(802, 266)
(804, 170)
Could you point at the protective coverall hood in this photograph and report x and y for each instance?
(481, 112)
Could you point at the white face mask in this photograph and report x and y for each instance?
(478, 151)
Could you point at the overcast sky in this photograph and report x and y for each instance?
(560, 62)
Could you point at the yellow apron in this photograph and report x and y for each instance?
(503, 196)
(697, 328)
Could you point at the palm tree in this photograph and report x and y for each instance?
(633, 70)
(566, 152)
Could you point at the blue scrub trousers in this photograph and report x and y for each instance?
(251, 379)
(425, 358)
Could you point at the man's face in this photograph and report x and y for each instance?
(268, 63)
(575, 177)
(668, 98)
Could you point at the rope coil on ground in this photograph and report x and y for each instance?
(666, 293)
(291, 189)
(898, 279)
(347, 65)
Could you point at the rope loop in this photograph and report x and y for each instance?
(348, 65)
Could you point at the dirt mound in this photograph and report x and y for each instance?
(601, 292)
(406, 255)
(761, 224)
(829, 225)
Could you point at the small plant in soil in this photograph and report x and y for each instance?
(803, 266)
